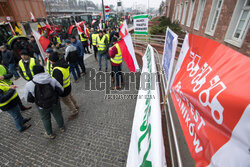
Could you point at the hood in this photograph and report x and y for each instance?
(61, 63)
(42, 78)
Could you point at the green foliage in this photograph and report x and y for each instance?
(165, 22)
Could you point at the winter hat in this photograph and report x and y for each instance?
(24, 52)
(54, 57)
(49, 50)
(38, 69)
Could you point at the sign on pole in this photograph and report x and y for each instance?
(107, 9)
(171, 41)
(141, 24)
(146, 143)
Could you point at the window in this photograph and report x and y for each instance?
(180, 10)
(199, 14)
(176, 12)
(190, 12)
(214, 17)
(184, 12)
(239, 23)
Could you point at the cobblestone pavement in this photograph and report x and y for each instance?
(100, 135)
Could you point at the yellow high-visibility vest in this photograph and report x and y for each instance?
(32, 63)
(49, 67)
(83, 39)
(3, 72)
(118, 57)
(66, 77)
(94, 38)
(5, 88)
(58, 40)
(101, 43)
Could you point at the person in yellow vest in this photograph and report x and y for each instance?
(102, 46)
(49, 68)
(9, 103)
(6, 76)
(94, 36)
(106, 35)
(58, 40)
(26, 65)
(61, 74)
(116, 63)
(84, 40)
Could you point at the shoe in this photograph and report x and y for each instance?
(75, 81)
(83, 73)
(100, 69)
(27, 126)
(106, 70)
(116, 88)
(26, 120)
(23, 108)
(112, 80)
(72, 116)
(51, 136)
(62, 129)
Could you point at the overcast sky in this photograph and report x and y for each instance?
(132, 3)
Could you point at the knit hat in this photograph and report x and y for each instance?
(38, 69)
(54, 57)
(49, 50)
(24, 52)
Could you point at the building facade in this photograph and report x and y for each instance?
(225, 21)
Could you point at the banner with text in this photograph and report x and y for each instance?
(146, 144)
(171, 41)
(141, 24)
(211, 95)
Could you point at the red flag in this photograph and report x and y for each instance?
(93, 22)
(128, 53)
(32, 17)
(123, 29)
(41, 40)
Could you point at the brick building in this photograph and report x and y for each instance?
(225, 21)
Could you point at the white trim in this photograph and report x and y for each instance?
(190, 13)
(184, 12)
(199, 14)
(213, 19)
(180, 10)
(237, 14)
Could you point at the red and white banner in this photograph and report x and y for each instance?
(211, 95)
(123, 29)
(79, 29)
(128, 53)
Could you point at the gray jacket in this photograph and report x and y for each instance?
(41, 78)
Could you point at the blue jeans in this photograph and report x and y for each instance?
(100, 60)
(81, 63)
(117, 72)
(17, 116)
(73, 67)
(12, 68)
(37, 57)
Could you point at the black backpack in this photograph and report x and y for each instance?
(45, 95)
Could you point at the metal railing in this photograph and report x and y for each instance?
(141, 42)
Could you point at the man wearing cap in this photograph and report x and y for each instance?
(71, 57)
(49, 68)
(61, 74)
(80, 53)
(26, 65)
(102, 46)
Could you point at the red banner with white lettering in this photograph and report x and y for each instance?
(211, 95)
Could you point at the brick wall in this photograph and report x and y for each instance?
(222, 26)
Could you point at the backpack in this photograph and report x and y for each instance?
(45, 95)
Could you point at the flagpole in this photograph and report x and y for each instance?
(103, 12)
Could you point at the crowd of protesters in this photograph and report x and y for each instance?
(48, 76)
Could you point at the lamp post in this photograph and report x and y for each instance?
(103, 12)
